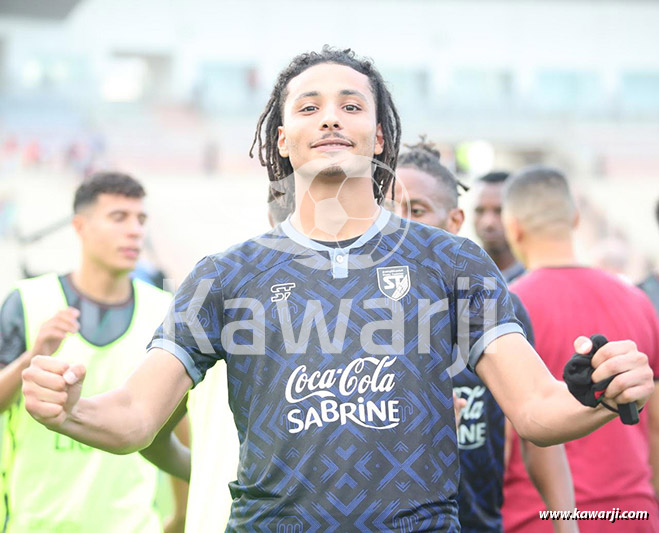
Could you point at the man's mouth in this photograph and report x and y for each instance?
(132, 253)
(333, 143)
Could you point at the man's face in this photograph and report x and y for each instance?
(112, 231)
(487, 216)
(329, 117)
(420, 198)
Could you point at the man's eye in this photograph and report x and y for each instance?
(352, 107)
(418, 211)
(308, 109)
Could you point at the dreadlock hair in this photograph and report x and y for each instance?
(265, 137)
(425, 157)
(282, 205)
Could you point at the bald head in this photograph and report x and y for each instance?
(539, 199)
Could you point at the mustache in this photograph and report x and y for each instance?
(336, 135)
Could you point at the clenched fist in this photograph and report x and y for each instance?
(53, 331)
(52, 389)
(633, 381)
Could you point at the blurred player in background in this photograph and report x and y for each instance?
(650, 285)
(488, 226)
(610, 468)
(354, 429)
(427, 192)
(100, 317)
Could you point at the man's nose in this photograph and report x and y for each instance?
(330, 120)
(135, 228)
(490, 220)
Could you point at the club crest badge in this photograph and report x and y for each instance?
(394, 281)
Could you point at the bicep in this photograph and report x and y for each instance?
(157, 387)
(514, 373)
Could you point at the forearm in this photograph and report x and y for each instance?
(654, 463)
(172, 457)
(121, 421)
(541, 409)
(549, 471)
(112, 422)
(170, 452)
(10, 380)
(554, 416)
(653, 427)
(180, 488)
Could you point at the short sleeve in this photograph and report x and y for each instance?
(484, 306)
(523, 317)
(192, 328)
(12, 328)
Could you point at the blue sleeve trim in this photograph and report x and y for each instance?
(490, 336)
(181, 355)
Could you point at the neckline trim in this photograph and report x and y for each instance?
(378, 224)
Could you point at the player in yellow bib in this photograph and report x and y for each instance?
(98, 316)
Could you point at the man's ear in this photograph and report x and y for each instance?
(513, 229)
(456, 218)
(281, 142)
(575, 220)
(379, 140)
(78, 223)
(515, 235)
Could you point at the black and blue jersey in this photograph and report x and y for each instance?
(481, 441)
(340, 366)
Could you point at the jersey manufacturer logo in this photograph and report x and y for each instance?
(394, 281)
(281, 291)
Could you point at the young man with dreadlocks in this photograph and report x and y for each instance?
(427, 192)
(351, 430)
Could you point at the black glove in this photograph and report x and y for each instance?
(577, 374)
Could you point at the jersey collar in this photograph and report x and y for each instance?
(301, 239)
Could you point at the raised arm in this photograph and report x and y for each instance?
(120, 421)
(49, 338)
(541, 408)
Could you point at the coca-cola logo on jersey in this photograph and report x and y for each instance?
(362, 376)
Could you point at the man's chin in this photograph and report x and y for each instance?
(323, 167)
(332, 172)
(124, 267)
(494, 246)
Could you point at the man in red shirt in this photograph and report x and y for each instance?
(612, 467)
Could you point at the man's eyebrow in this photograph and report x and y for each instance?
(343, 92)
(352, 92)
(126, 212)
(308, 94)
